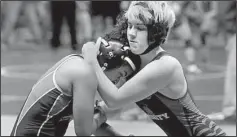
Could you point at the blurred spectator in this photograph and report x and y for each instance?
(11, 15)
(227, 16)
(34, 22)
(84, 21)
(229, 103)
(43, 11)
(208, 26)
(59, 11)
(124, 5)
(228, 112)
(188, 20)
(227, 24)
(21, 23)
(104, 15)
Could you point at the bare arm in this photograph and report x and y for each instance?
(149, 80)
(84, 85)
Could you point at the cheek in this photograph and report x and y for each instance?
(144, 36)
(143, 40)
(110, 75)
(120, 83)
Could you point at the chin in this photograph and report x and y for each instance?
(135, 52)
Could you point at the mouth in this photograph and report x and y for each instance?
(132, 41)
(115, 81)
(133, 45)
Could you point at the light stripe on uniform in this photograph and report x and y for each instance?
(48, 115)
(23, 114)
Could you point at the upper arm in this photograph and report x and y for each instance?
(156, 75)
(84, 86)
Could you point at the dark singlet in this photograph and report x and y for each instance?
(47, 110)
(178, 117)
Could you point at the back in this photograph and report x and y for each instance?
(45, 107)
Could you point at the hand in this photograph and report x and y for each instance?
(90, 50)
(99, 114)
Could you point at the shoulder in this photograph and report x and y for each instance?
(76, 68)
(158, 73)
(167, 63)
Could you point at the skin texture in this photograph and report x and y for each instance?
(77, 76)
(137, 36)
(164, 75)
(154, 76)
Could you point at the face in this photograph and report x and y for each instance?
(118, 75)
(137, 35)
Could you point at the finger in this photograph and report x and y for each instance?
(98, 41)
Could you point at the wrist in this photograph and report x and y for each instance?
(103, 106)
(99, 119)
(99, 116)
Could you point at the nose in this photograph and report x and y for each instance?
(132, 32)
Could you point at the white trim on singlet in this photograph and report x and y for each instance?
(48, 115)
(41, 79)
(54, 73)
(30, 108)
(55, 83)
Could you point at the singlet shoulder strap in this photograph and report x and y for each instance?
(80, 55)
(160, 54)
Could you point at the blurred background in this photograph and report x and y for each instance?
(36, 34)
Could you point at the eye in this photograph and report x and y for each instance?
(141, 28)
(116, 81)
(125, 74)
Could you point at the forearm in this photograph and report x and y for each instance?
(98, 120)
(95, 125)
(107, 90)
(109, 111)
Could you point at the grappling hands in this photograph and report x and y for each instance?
(90, 50)
(99, 114)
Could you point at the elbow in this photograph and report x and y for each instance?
(82, 131)
(113, 105)
(110, 105)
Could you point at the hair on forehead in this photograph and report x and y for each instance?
(139, 12)
(151, 11)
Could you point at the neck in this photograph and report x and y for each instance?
(146, 58)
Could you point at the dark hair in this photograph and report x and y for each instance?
(119, 32)
(157, 33)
